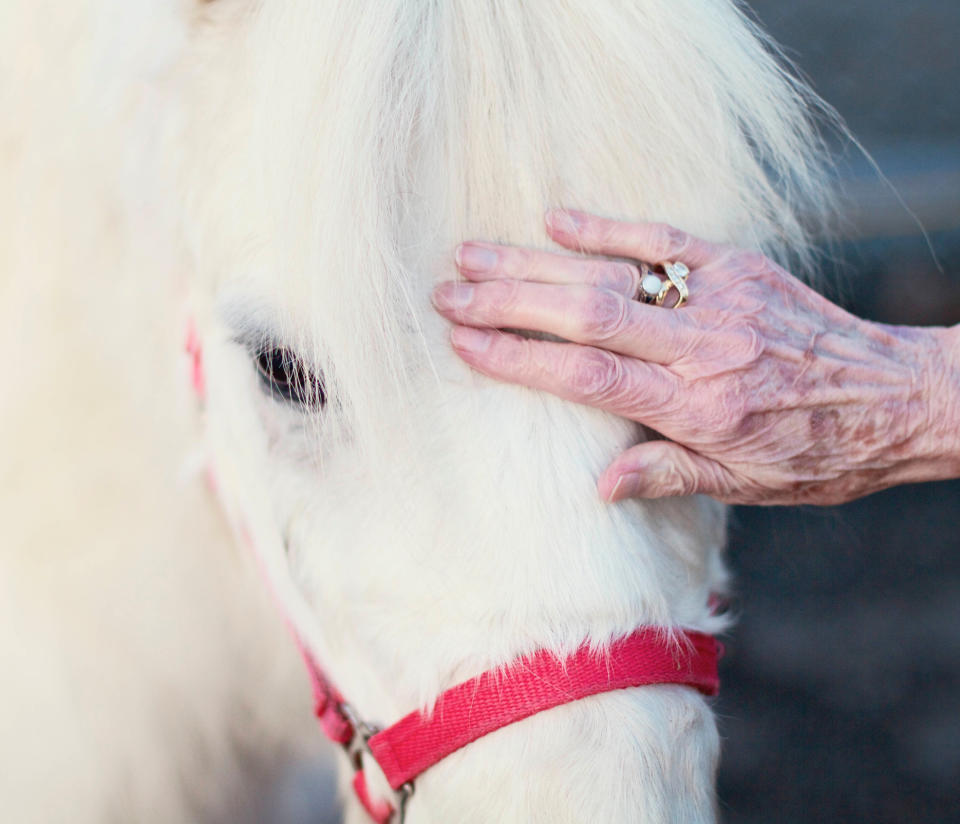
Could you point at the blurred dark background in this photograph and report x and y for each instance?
(841, 694)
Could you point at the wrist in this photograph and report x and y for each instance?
(942, 441)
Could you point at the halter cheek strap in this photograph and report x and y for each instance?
(498, 698)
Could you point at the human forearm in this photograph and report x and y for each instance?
(940, 448)
(902, 391)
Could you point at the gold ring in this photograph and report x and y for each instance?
(654, 289)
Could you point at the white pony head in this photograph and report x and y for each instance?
(423, 523)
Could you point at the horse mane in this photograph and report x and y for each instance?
(440, 122)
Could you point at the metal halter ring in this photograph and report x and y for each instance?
(654, 289)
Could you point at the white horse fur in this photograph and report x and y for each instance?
(144, 674)
(313, 163)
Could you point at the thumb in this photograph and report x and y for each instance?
(662, 469)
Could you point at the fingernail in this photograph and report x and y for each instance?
(453, 295)
(470, 339)
(562, 220)
(626, 485)
(475, 258)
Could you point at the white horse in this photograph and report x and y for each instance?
(420, 525)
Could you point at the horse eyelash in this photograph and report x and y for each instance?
(287, 379)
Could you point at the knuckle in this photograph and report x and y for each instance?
(729, 412)
(680, 482)
(618, 276)
(673, 479)
(752, 262)
(747, 342)
(608, 232)
(668, 241)
(597, 273)
(524, 263)
(594, 374)
(677, 240)
(502, 295)
(602, 315)
(720, 483)
(734, 409)
(512, 356)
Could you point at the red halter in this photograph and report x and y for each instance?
(498, 698)
(495, 698)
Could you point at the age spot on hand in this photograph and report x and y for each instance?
(823, 422)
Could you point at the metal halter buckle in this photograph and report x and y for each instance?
(358, 745)
(403, 796)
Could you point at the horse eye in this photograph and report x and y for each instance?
(286, 378)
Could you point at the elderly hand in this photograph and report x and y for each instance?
(766, 392)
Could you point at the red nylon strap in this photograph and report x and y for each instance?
(327, 701)
(380, 811)
(539, 682)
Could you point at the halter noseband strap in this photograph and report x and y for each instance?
(498, 698)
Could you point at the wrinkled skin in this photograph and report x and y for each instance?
(765, 392)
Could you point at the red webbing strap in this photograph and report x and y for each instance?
(493, 700)
(326, 700)
(380, 811)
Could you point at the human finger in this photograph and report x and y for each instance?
(651, 242)
(489, 261)
(662, 469)
(595, 317)
(582, 374)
